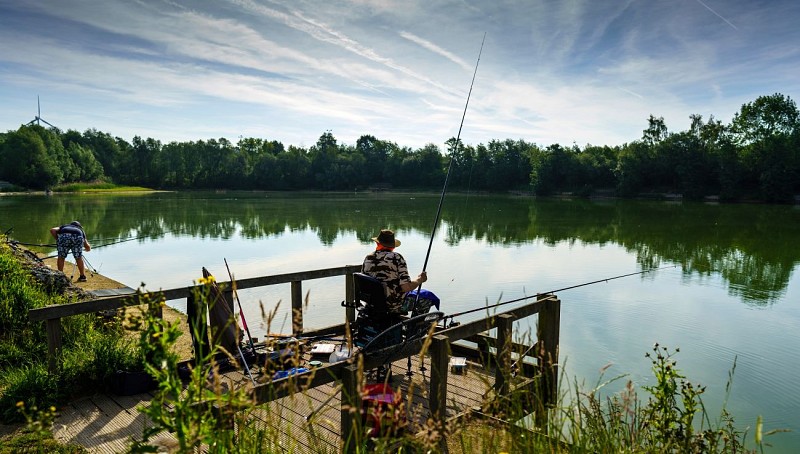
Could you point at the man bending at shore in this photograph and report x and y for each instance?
(71, 238)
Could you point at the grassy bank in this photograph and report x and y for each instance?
(98, 187)
(93, 347)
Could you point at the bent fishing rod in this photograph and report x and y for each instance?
(458, 314)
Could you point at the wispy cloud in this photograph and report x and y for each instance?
(551, 72)
(436, 49)
(717, 14)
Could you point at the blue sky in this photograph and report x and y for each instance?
(584, 72)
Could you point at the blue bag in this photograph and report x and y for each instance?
(427, 299)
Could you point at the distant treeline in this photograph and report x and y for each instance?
(757, 156)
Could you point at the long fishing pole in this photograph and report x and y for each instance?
(241, 312)
(100, 245)
(446, 179)
(451, 316)
(450, 166)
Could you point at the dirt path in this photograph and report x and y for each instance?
(96, 281)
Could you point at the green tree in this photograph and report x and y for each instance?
(765, 117)
(26, 161)
(634, 167)
(597, 166)
(552, 169)
(424, 168)
(375, 154)
(294, 168)
(106, 151)
(765, 131)
(656, 131)
(89, 169)
(322, 155)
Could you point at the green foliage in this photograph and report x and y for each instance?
(767, 116)
(756, 155)
(36, 436)
(18, 294)
(27, 161)
(187, 411)
(93, 349)
(97, 187)
(31, 385)
(671, 418)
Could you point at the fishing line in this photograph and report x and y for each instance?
(458, 314)
(135, 238)
(114, 242)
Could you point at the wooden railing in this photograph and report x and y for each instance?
(545, 352)
(443, 342)
(53, 314)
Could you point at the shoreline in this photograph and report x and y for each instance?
(100, 286)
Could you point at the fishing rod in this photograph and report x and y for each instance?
(450, 166)
(239, 302)
(452, 316)
(30, 244)
(446, 179)
(101, 245)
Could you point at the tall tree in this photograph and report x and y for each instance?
(26, 161)
(765, 117)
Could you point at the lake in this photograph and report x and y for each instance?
(725, 289)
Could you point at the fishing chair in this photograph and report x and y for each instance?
(373, 315)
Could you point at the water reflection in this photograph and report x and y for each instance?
(753, 247)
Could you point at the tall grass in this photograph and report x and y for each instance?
(668, 416)
(93, 348)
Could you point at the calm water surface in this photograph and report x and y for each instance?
(728, 292)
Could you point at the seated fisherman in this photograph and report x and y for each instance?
(390, 268)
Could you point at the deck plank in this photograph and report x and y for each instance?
(107, 423)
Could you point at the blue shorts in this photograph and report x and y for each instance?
(69, 242)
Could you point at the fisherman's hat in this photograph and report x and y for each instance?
(386, 239)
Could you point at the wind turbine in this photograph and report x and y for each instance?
(38, 117)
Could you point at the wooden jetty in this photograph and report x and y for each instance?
(313, 412)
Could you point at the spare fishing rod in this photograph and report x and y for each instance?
(452, 316)
(241, 312)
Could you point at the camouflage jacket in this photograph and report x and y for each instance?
(390, 268)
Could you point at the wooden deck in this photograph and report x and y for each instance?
(108, 424)
(306, 422)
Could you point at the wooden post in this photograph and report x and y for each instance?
(297, 308)
(349, 297)
(502, 375)
(440, 353)
(547, 355)
(53, 344)
(351, 410)
(483, 347)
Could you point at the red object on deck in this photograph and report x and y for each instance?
(382, 411)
